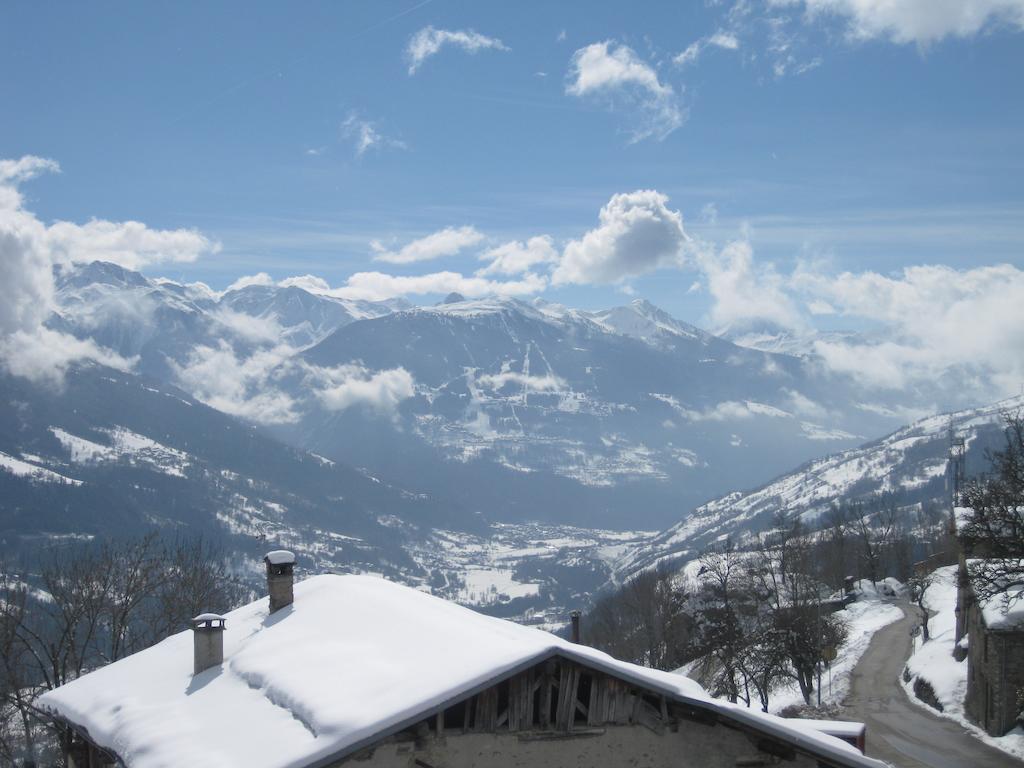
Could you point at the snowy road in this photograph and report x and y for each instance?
(899, 731)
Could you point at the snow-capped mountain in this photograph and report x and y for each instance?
(535, 411)
(520, 410)
(909, 467)
(162, 322)
(114, 454)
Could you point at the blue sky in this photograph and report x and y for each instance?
(820, 133)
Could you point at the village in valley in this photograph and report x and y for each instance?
(444, 384)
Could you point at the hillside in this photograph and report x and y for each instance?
(908, 466)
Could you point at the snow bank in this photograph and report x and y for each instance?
(354, 658)
(933, 661)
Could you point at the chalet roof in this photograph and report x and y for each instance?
(354, 659)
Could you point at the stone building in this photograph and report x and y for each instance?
(990, 634)
(363, 672)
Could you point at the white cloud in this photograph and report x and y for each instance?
(616, 73)
(243, 387)
(744, 291)
(131, 244)
(260, 278)
(692, 52)
(27, 348)
(734, 410)
(725, 40)
(637, 234)
(938, 320)
(24, 168)
(365, 135)
(377, 286)
(920, 21)
(258, 330)
(546, 383)
(446, 242)
(429, 41)
(43, 355)
(351, 385)
(516, 257)
(309, 283)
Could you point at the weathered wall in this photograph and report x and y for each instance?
(693, 745)
(995, 675)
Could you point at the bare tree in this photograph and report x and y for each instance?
(644, 622)
(919, 584)
(89, 606)
(993, 530)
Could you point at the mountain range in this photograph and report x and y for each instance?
(516, 410)
(511, 454)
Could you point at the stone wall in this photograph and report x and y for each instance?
(995, 674)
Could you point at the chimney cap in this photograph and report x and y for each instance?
(280, 557)
(209, 620)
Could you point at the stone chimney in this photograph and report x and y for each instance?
(575, 633)
(280, 578)
(208, 640)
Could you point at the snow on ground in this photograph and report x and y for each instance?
(24, 469)
(934, 662)
(871, 611)
(125, 445)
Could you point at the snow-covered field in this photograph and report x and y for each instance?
(933, 661)
(872, 611)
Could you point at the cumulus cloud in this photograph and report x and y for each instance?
(365, 135)
(44, 355)
(345, 386)
(27, 348)
(131, 244)
(615, 73)
(241, 386)
(446, 242)
(429, 41)
(920, 21)
(516, 257)
(637, 233)
(938, 319)
(745, 292)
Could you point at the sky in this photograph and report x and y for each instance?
(812, 164)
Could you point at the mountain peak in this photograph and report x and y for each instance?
(454, 298)
(102, 272)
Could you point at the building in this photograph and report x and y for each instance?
(363, 672)
(990, 634)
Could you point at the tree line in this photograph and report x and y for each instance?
(70, 609)
(754, 617)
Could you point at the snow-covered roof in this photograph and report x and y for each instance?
(354, 659)
(280, 557)
(1004, 611)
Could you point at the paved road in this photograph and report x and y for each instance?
(903, 733)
